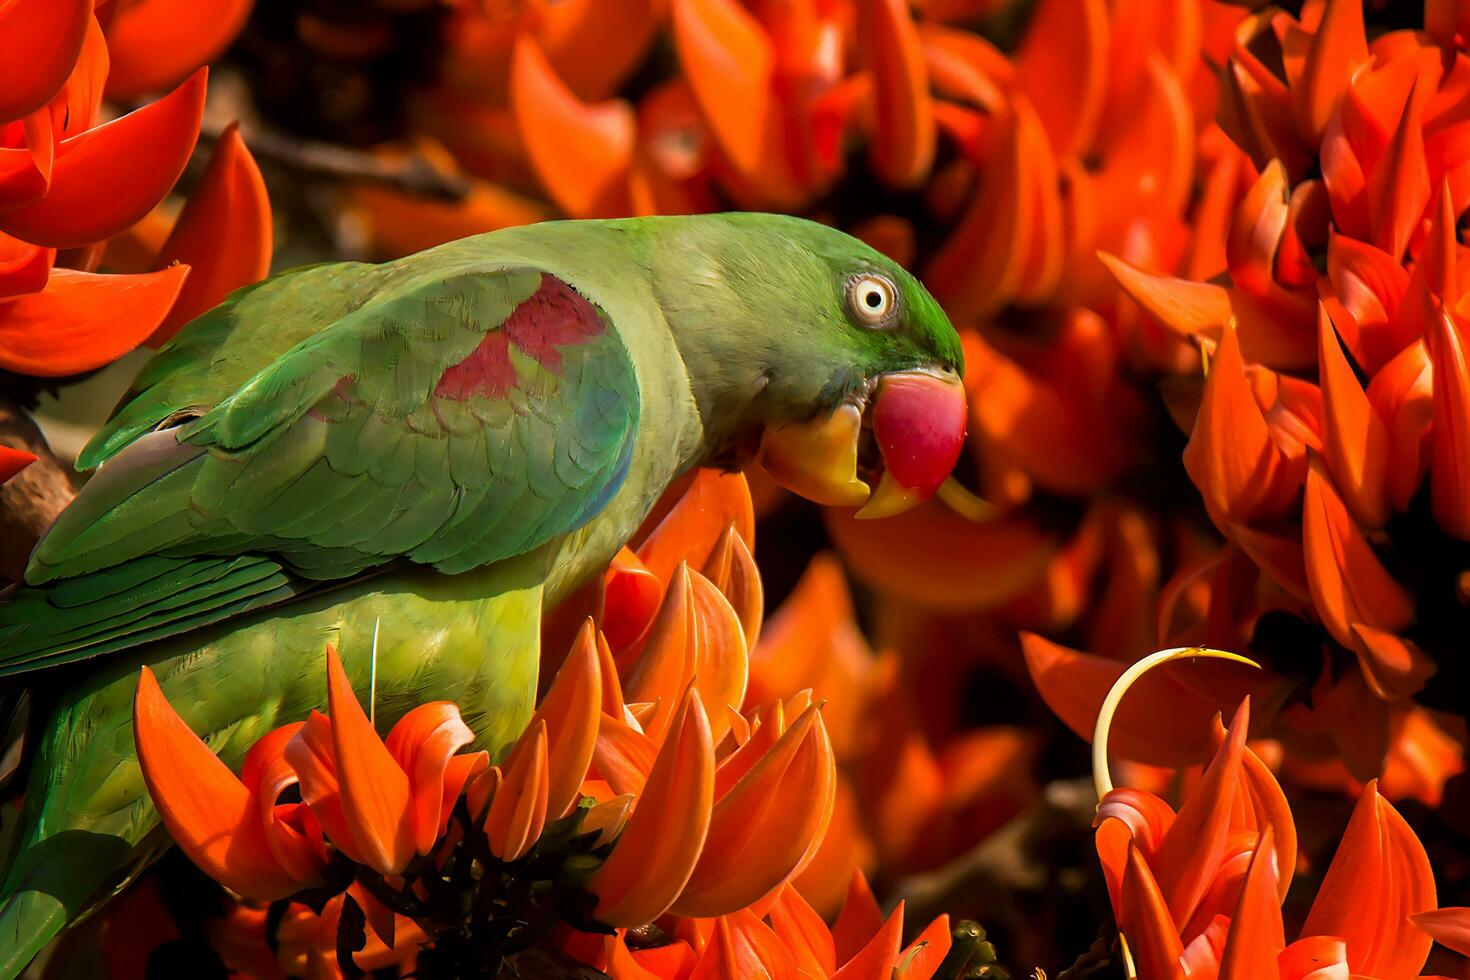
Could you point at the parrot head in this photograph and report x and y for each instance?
(847, 370)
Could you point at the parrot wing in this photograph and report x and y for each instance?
(449, 421)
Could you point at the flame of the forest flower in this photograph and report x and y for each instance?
(232, 828)
(12, 461)
(1232, 456)
(518, 810)
(388, 798)
(660, 846)
(1198, 893)
(232, 195)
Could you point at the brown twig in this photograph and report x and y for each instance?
(30, 501)
(411, 173)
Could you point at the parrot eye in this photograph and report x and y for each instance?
(872, 298)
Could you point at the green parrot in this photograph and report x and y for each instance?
(425, 455)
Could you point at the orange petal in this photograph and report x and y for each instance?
(581, 152)
(1449, 466)
(292, 831)
(594, 44)
(630, 598)
(82, 321)
(1256, 230)
(666, 664)
(654, 857)
(732, 568)
(875, 960)
(1231, 456)
(607, 820)
(1313, 958)
(692, 528)
(1144, 920)
(1062, 68)
(24, 267)
(1164, 719)
(1395, 668)
(1398, 187)
(1402, 393)
(1338, 47)
(979, 266)
(727, 57)
(12, 461)
(1356, 446)
(1450, 927)
(942, 561)
(923, 957)
(903, 145)
(232, 195)
(1256, 935)
(571, 710)
(1190, 855)
(422, 743)
(1379, 877)
(111, 176)
(1269, 329)
(740, 947)
(624, 756)
(155, 43)
(39, 44)
(722, 662)
(1150, 157)
(1349, 584)
(518, 812)
(762, 828)
(375, 792)
(311, 756)
(804, 933)
(207, 811)
(859, 920)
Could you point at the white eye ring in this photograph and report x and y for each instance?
(871, 297)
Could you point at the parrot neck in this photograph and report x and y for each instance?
(728, 357)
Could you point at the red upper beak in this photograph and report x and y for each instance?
(919, 422)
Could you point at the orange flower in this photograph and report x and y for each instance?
(235, 829)
(381, 803)
(1198, 893)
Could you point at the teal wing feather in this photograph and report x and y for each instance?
(449, 421)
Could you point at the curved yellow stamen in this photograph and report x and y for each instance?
(1102, 779)
(958, 498)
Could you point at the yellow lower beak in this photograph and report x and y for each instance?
(818, 459)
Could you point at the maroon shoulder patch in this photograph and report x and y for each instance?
(554, 316)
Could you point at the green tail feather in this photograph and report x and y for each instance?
(137, 602)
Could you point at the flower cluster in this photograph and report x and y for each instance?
(648, 788)
(1326, 440)
(1198, 892)
(72, 180)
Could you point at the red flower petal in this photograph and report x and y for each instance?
(39, 43)
(375, 791)
(1256, 935)
(12, 461)
(1379, 877)
(207, 811)
(155, 43)
(904, 136)
(111, 176)
(728, 60)
(580, 151)
(82, 321)
(223, 234)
